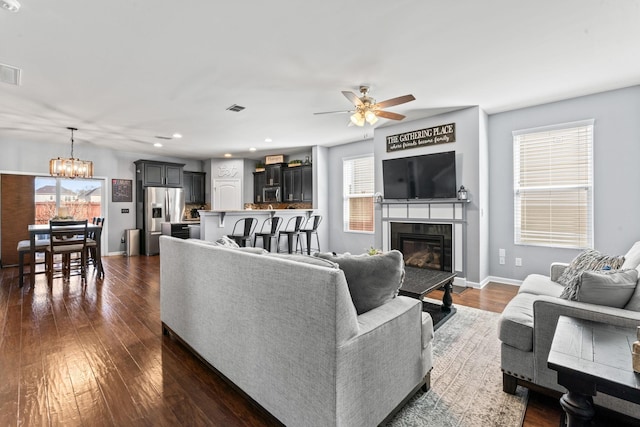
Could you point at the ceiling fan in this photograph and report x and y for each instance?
(367, 109)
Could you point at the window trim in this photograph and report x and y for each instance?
(347, 196)
(589, 187)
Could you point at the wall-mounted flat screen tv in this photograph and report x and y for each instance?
(431, 176)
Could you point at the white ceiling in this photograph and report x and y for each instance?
(126, 71)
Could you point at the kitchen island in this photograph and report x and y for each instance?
(216, 223)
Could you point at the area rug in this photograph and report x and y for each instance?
(466, 381)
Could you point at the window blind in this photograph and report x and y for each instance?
(358, 192)
(553, 185)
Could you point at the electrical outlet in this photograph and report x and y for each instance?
(502, 252)
(502, 261)
(518, 262)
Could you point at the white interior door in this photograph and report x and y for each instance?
(227, 194)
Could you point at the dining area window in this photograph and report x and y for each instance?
(65, 198)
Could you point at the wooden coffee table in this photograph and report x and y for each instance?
(420, 281)
(591, 357)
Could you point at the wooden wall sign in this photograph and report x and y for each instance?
(421, 138)
(276, 158)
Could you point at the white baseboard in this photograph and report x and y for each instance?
(504, 280)
(462, 281)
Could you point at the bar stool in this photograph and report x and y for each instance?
(269, 230)
(245, 233)
(314, 220)
(292, 231)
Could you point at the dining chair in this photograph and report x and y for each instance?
(92, 243)
(268, 231)
(244, 233)
(66, 238)
(292, 232)
(24, 247)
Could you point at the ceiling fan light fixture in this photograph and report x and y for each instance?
(371, 117)
(357, 118)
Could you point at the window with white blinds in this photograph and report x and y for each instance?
(553, 185)
(358, 194)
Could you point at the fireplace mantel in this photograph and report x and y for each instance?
(440, 211)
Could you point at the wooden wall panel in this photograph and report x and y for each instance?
(16, 213)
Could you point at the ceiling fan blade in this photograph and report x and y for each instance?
(394, 101)
(353, 98)
(389, 115)
(334, 112)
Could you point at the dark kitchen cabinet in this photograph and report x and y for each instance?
(297, 184)
(259, 181)
(159, 174)
(306, 173)
(273, 174)
(194, 183)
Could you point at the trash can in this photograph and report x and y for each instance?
(132, 242)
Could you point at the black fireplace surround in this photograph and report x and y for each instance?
(423, 245)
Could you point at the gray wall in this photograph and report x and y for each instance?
(616, 177)
(339, 240)
(33, 158)
(471, 168)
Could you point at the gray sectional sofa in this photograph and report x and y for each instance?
(528, 323)
(285, 331)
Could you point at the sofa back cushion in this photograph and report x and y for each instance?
(632, 258)
(372, 279)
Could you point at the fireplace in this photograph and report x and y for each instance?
(423, 245)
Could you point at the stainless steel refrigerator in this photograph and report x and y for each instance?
(159, 205)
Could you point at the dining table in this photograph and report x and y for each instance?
(43, 229)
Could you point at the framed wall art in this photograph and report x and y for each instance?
(121, 190)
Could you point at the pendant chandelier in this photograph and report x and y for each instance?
(71, 167)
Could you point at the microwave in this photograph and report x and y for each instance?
(271, 194)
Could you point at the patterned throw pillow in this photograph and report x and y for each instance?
(589, 260)
(227, 241)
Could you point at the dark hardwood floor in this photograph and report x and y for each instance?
(94, 354)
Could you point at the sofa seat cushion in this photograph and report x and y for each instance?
(372, 279)
(538, 284)
(516, 322)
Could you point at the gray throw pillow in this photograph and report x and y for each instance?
(612, 288)
(372, 279)
(589, 260)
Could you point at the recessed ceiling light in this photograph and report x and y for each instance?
(268, 140)
(157, 144)
(227, 155)
(252, 149)
(177, 135)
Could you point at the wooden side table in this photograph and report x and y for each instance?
(590, 357)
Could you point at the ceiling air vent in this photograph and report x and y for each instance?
(236, 108)
(10, 75)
